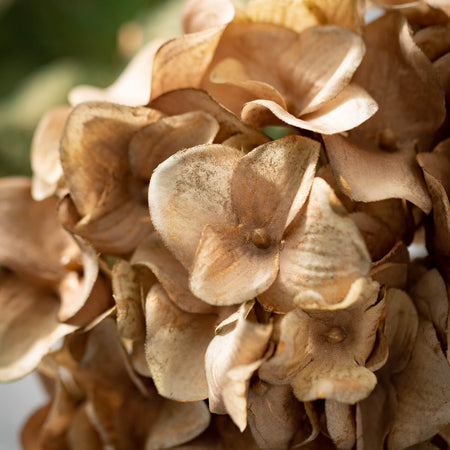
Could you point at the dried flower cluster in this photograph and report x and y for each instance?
(181, 280)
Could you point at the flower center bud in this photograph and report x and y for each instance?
(335, 335)
(261, 238)
(387, 139)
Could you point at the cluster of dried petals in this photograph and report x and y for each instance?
(215, 288)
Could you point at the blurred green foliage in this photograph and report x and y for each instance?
(49, 46)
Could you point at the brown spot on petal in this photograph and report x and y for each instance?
(261, 238)
(335, 335)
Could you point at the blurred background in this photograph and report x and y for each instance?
(46, 48)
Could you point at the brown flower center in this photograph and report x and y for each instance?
(261, 238)
(387, 139)
(335, 335)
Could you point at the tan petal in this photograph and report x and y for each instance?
(30, 326)
(423, 392)
(156, 142)
(176, 342)
(271, 183)
(132, 88)
(414, 108)
(29, 436)
(366, 173)
(188, 191)
(340, 424)
(187, 100)
(81, 434)
(307, 264)
(274, 415)
(226, 355)
(127, 285)
(170, 273)
(434, 41)
(181, 62)
(200, 15)
(228, 269)
(177, 423)
(351, 107)
(32, 241)
(441, 66)
(47, 171)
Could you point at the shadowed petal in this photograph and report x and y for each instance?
(200, 15)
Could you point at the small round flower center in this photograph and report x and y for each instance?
(335, 335)
(387, 139)
(261, 238)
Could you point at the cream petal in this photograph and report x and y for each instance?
(366, 173)
(235, 352)
(47, 171)
(348, 383)
(199, 15)
(352, 106)
(423, 392)
(307, 264)
(176, 342)
(132, 88)
(182, 62)
(229, 269)
(274, 415)
(153, 144)
(340, 424)
(30, 326)
(188, 191)
(187, 100)
(415, 107)
(170, 273)
(271, 183)
(32, 240)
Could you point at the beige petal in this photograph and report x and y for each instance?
(423, 392)
(188, 191)
(170, 273)
(351, 107)
(132, 88)
(271, 183)
(182, 62)
(274, 415)
(187, 100)
(47, 171)
(153, 144)
(414, 108)
(244, 345)
(229, 269)
(307, 264)
(32, 241)
(176, 342)
(129, 294)
(200, 15)
(29, 328)
(340, 424)
(177, 423)
(366, 173)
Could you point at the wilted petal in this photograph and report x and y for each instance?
(434, 41)
(29, 436)
(340, 424)
(188, 99)
(229, 269)
(30, 326)
(366, 173)
(81, 434)
(271, 183)
(176, 342)
(231, 350)
(182, 62)
(188, 191)
(307, 263)
(423, 392)
(132, 88)
(407, 90)
(153, 144)
(47, 171)
(200, 15)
